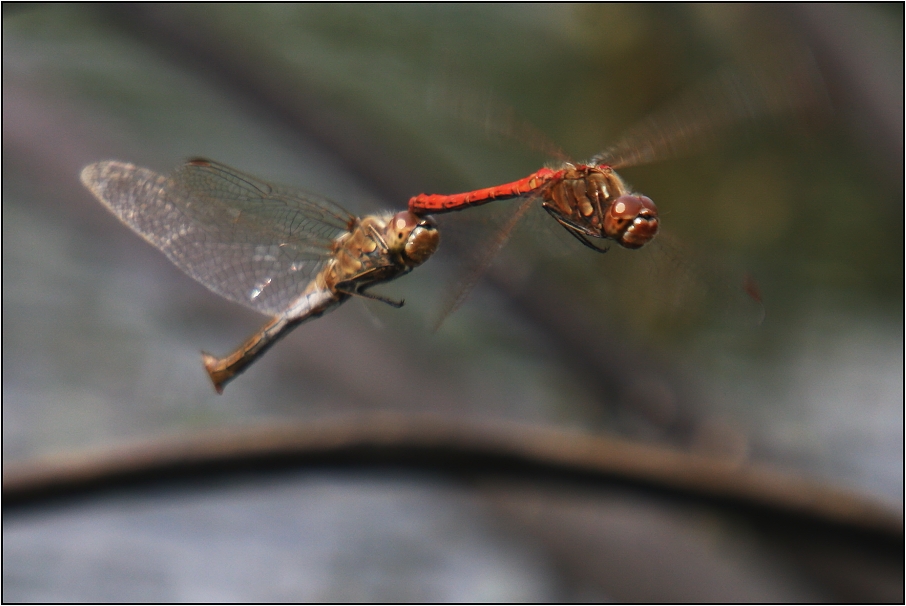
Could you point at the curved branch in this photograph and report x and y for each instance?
(465, 448)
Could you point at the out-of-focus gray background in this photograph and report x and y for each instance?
(101, 335)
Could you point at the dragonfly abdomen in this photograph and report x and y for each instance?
(439, 203)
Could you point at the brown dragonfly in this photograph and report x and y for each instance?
(278, 250)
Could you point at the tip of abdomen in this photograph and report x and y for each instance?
(215, 369)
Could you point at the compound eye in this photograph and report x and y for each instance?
(628, 207)
(403, 223)
(422, 241)
(631, 220)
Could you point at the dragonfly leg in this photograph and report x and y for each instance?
(355, 288)
(584, 240)
(577, 231)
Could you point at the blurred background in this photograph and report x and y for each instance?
(369, 105)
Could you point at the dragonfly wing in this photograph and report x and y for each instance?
(789, 86)
(253, 243)
(480, 263)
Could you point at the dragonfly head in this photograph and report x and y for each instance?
(631, 220)
(415, 237)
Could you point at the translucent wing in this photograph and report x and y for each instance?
(254, 243)
(479, 264)
(455, 98)
(703, 115)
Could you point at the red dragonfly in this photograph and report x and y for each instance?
(592, 202)
(589, 200)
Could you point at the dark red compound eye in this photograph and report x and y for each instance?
(630, 207)
(627, 207)
(632, 220)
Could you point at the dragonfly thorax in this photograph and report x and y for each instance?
(594, 202)
(379, 248)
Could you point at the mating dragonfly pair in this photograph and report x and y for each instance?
(295, 256)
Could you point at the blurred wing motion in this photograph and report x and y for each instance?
(698, 119)
(490, 114)
(479, 265)
(253, 243)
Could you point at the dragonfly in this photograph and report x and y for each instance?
(592, 202)
(278, 250)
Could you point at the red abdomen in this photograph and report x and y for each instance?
(438, 203)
